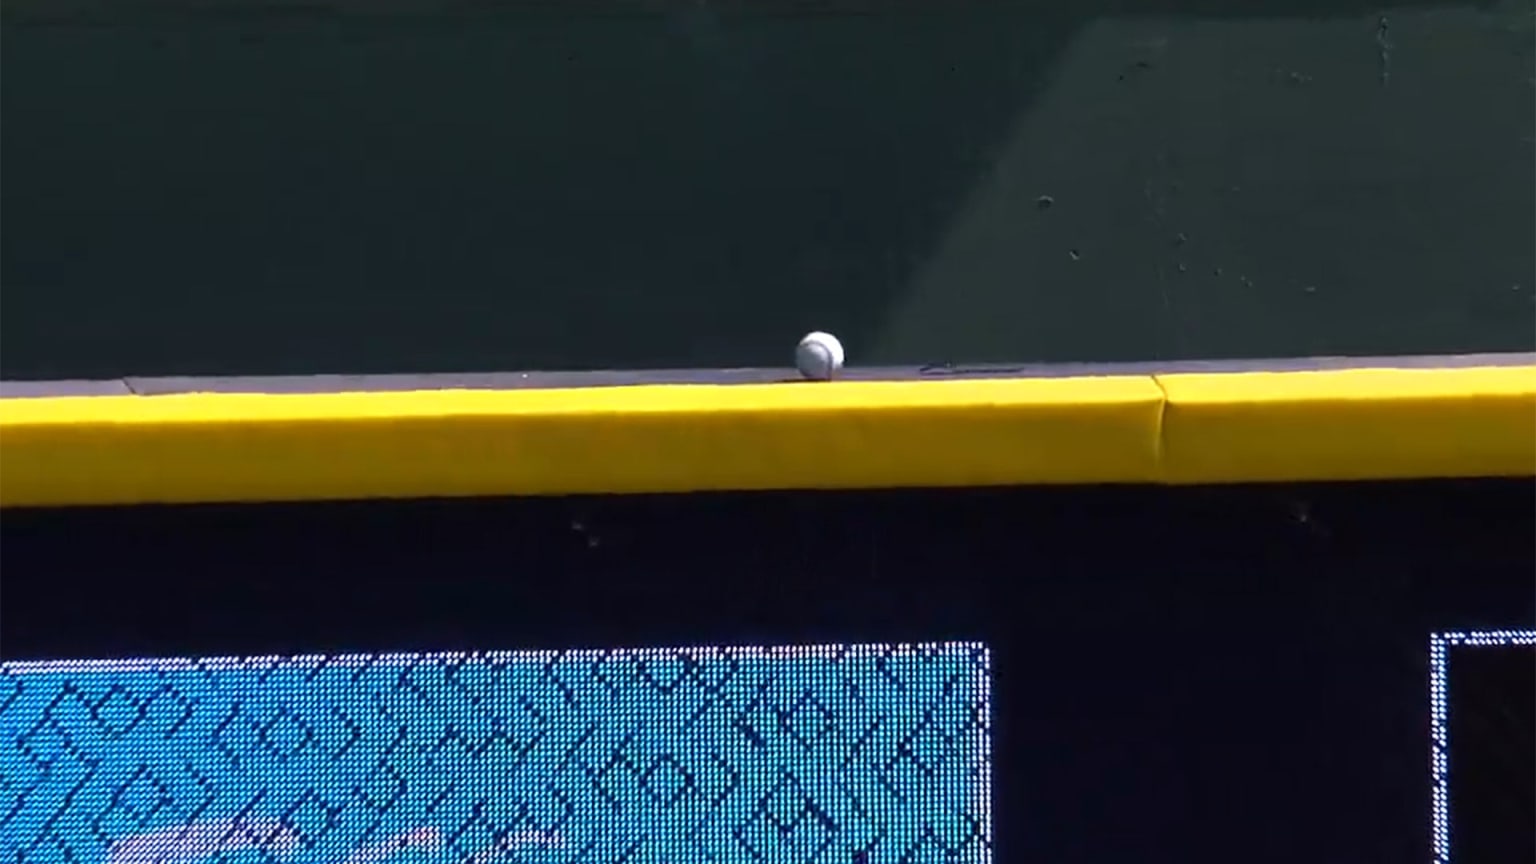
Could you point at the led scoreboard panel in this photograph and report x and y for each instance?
(695, 754)
(1211, 674)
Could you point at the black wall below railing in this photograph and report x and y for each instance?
(1194, 675)
(269, 187)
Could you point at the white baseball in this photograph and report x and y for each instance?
(819, 356)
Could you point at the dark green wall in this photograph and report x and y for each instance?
(267, 187)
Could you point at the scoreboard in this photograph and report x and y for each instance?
(1081, 673)
(802, 753)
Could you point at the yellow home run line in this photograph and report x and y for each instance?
(1353, 424)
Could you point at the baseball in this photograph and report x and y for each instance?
(819, 356)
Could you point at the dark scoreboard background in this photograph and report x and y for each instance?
(1194, 675)
(1211, 675)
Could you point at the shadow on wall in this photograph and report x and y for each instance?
(270, 188)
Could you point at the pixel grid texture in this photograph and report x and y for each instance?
(842, 753)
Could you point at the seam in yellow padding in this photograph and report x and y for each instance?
(1353, 424)
(1181, 428)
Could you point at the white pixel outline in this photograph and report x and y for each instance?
(1439, 723)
